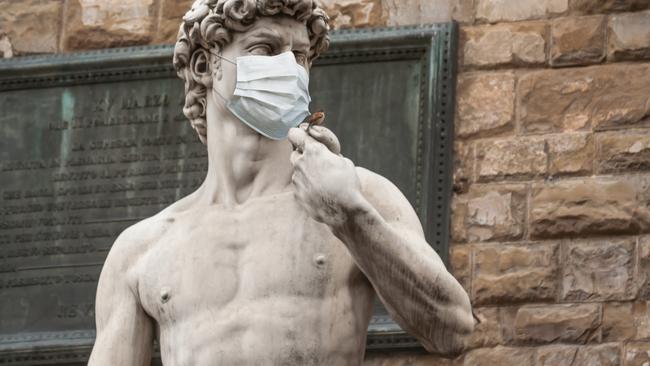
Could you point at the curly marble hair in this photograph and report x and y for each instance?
(209, 25)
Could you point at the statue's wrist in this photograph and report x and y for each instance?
(354, 207)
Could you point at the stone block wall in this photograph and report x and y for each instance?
(551, 217)
(48, 26)
(551, 207)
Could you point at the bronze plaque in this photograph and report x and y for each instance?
(93, 142)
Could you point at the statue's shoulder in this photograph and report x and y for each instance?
(379, 190)
(149, 230)
(124, 262)
(142, 235)
(137, 240)
(374, 184)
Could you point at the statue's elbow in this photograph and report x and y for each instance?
(462, 316)
(466, 321)
(451, 345)
(451, 339)
(450, 350)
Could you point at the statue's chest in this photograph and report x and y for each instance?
(219, 257)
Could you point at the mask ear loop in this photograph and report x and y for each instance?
(223, 58)
(232, 62)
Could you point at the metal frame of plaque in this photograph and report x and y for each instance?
(429, 50)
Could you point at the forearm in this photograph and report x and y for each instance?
(409, 277)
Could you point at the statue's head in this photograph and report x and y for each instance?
(214, 30)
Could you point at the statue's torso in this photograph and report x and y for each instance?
(259, 284)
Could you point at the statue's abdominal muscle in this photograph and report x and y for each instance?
(251, 276)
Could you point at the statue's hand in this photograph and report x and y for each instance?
(326, 183)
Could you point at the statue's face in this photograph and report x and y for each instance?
(268, 36)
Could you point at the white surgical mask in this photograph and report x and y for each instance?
(271, 95)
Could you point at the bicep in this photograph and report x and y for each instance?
(124, 330)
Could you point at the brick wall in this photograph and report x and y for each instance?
(551, 210)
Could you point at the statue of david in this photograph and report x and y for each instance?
(276, 258)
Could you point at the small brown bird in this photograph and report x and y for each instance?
(323, 135)
(316, 118)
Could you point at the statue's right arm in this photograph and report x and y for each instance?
(124, 330)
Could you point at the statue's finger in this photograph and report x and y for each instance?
(295, 155)
(326, 137)
(298, 137)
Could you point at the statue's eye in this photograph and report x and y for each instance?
(260, 49)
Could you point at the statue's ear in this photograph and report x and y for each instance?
(201, 68)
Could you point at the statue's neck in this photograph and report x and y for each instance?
(243, 164)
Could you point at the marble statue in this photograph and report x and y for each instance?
(276, 258)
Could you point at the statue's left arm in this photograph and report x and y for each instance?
(383, 234)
